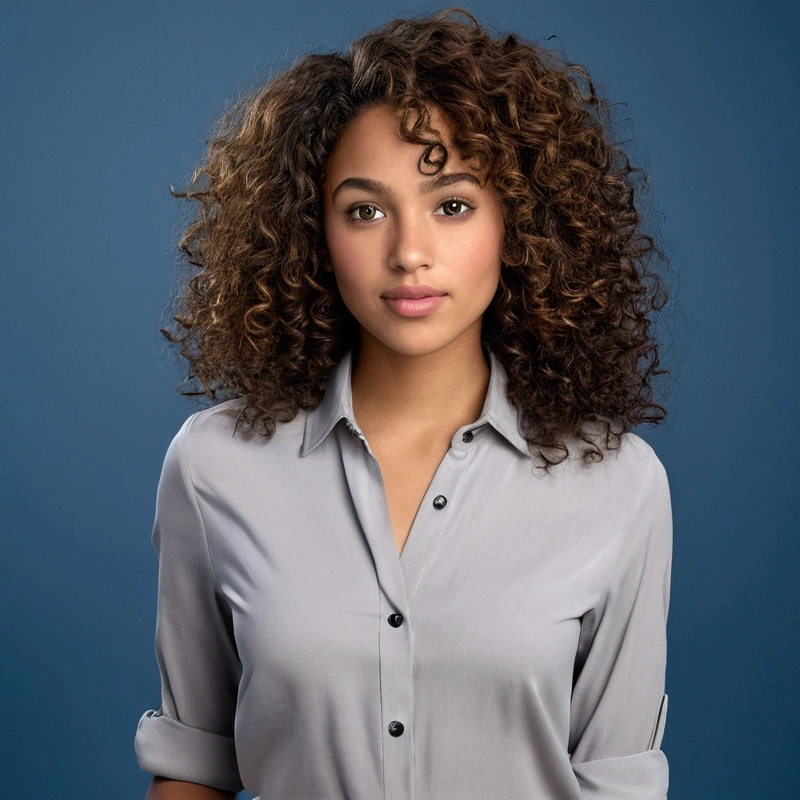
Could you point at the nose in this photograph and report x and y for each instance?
(412, 243)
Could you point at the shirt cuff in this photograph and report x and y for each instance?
(643, 776)
(173, 750)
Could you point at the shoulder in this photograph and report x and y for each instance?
(640, 459)
(643, 485)
(215, 421)
(626, 467)
(628, 489)
(637, 475)
(635, 454)
(219, 438)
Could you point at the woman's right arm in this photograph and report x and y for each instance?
(165, 789)
(188, 742)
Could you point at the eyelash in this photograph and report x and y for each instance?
(460, 200)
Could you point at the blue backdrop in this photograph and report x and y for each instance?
(106, 104)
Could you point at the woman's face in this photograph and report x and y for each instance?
(389, 227)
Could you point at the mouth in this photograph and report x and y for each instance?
(415, 306)
(412, 292)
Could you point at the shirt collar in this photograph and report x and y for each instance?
(337, 404)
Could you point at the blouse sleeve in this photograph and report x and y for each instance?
(190, 737)
(618, 700)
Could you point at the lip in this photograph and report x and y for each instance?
(415, 306)
(414, 292)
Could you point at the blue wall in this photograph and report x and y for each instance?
(104, 105)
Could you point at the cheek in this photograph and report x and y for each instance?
(346, 269)
(482, 255)
(343, 255)
(344, 247)
(350, 289)
(351, 274)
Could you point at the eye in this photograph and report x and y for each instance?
(368, 216)
(451, 205)
(366, 213)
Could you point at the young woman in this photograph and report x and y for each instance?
(415, 550)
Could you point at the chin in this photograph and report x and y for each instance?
(417, 345)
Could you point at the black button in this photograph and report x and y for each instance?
(467, 437)
(396, 728)
(439, 502)
(395, 620)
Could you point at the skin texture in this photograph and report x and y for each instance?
(416, 380)
(409, 237)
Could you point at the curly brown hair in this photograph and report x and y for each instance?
(261, 319)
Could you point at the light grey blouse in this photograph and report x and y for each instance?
(516, 648)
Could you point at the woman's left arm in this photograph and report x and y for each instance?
(618, 699)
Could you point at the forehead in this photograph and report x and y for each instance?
(371, 141)
(383, 117)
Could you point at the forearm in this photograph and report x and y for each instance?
(165, 789)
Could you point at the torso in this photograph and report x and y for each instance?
(407, 472)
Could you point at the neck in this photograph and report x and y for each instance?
(417, 394)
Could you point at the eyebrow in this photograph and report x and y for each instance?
(430, 185)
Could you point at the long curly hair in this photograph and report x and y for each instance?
(259, 317)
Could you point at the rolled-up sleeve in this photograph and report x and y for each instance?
(618, 701)
(190, 737)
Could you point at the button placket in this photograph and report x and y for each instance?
(433, 524)
(394, 643)
(396, 702)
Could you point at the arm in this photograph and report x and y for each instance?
(618, 699)
(189, 739)
(165, 789)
